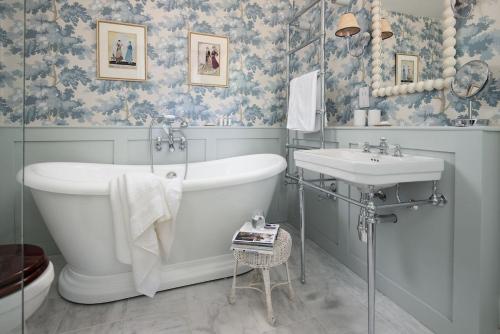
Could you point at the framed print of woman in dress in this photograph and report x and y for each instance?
(208, 60)
(121, 51)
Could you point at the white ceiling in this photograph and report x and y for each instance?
(429, 8)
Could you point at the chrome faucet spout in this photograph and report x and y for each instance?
(383, 146)
(171, 141)
(366, 147)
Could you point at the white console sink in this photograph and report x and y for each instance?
(370, 169)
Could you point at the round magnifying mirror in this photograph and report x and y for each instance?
(470, 80)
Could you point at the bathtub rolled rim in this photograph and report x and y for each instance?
(34, 180)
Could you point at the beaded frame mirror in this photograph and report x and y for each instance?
(448, 58)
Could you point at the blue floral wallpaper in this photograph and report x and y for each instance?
(477, 38)
(11, 62)
(60, 63)
(61, 88)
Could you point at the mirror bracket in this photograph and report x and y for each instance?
(458, 6)
(449, 60)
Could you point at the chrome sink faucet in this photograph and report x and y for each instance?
(383, 148)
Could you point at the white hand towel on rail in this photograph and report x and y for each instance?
(144, 208)
(303, 103)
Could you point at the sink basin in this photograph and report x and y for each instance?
(370, 169)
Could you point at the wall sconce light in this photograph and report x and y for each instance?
(386, 29)
(347, 27)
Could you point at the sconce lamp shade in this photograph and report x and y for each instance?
(347, 26)
(386, 29)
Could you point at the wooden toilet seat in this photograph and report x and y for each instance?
(15, 273)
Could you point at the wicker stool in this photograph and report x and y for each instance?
(264, 262)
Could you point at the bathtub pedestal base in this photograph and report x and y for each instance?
(85, 289)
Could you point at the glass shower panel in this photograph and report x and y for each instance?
(11, 161)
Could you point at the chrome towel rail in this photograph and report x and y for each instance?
(303, 45)
(303, 11)
(321, 38)
(301, 147)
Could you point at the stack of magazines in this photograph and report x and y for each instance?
(251, 239)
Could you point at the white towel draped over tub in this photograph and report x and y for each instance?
(144, 210)
(303, 103)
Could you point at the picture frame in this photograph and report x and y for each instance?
(121, 51)
(407, 68)
(208, 57)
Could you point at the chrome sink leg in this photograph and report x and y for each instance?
(362, 230)
(371, 278)
(302, 228)
(370, 225)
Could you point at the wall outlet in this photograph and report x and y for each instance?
(364, 97)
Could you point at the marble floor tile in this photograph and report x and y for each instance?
(152, 324)
(343, 316)
(48, 317)
(211, 290)
(333, 300)
(286, 311)
(80, 316)
(308, 326)
(169, 303)
(217, 316)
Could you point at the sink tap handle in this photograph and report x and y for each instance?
(158, 143)
(384, 146)
(397, 151)
(182, 143)
(366, 147)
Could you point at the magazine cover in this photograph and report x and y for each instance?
(248, 235)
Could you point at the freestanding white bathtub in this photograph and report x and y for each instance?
(218, 196)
